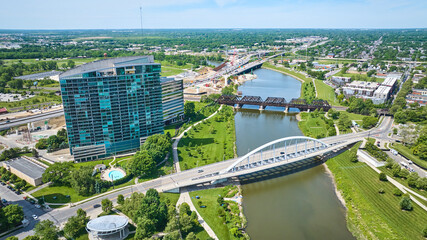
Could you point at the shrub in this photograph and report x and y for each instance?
(405, 203)
(397, 192)
(381, 191)
(383, 177)
(425, 232)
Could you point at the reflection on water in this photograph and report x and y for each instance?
(297, 206)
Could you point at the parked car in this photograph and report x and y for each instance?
(410, 162)
(35, 217)
(37, 206)
(200, 171)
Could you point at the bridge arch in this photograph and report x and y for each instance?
(309, 145)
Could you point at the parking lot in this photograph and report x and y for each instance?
(29, 209)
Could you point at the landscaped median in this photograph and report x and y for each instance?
(373, 211)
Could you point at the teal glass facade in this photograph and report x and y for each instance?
(111, 106)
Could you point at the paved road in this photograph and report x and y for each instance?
(184, 178)
(34, 118)
(28, 208)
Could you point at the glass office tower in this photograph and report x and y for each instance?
(111, 106)
(172, 100)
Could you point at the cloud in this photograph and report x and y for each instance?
(222, 3)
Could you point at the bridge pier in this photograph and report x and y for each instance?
(261, 108)
(286, 109)
(308, 110)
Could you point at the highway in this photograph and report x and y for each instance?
(34, 118)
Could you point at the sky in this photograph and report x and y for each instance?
(166, 14)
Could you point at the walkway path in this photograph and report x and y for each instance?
(38, 188)
(185, 196)
(336, 127)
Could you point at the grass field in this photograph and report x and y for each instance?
(210, 142)
(31, 101)
(333, 61)
(210, 213)
(405, 151)
(312, 126)
(301, 76)
(326, 92)
(371, 215)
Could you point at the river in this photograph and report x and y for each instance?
(298, 206)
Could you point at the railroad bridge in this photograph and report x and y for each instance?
(301, 104)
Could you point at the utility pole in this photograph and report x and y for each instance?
(140, 13)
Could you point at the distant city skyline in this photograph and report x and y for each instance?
(171, 14)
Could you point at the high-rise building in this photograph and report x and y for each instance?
(111, 106)
(172, 99)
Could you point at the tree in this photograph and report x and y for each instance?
(383, 177)
(82, 181)
(405, 203)
(14, 214)
(58, 173)
(145, 228)
(191, 236)
(12, 238)
(35, 153)
(120, 199)
(71, 63)
(16, 84)
(172, 225)
(107, 205)
(186, 223)
(425, 232)
(157, 145)
(72, 227)
(184, 208)
(31, 238)
(173, 235)
(141, 164)
(369, 122)
(46, 230)
(189, 109)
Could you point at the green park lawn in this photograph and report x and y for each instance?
(371, 215)
(210, 213)
(211, 141)
(312, 126)
(31, 101)
(405, 151)
(326, 92)
(288, 72)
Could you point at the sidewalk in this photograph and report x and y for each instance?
(185, 197)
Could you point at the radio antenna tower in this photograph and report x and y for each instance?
(140, 13)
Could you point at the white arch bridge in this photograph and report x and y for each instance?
(288, 154)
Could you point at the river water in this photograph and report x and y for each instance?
(298, 206)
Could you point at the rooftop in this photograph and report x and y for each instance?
(26, 167)
(389, 81)
(37, 76)
(108, 63)
(107, 223)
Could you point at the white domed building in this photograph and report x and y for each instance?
(108, 227)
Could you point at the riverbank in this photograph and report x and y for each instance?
(371, 214)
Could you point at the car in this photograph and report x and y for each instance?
(410, 162)
(2, 183)
(35, 217)
(37, 206)
(200, 171)
(96, 205)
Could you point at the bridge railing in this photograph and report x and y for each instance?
(283, 149)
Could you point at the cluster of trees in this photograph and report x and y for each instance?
(54, 142)
(412, 178)
(229, 90)
(80, 179)
(317, 74)
(10, 153)
(331, 131)
(229, 214)
(344, 122)
(10, 217)
(369, 122)
(376, 152)
(183, 59)
(361, 106)
(152, 152)
(8, 176)
(308, 92)
(152, 214)
(400, 101)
